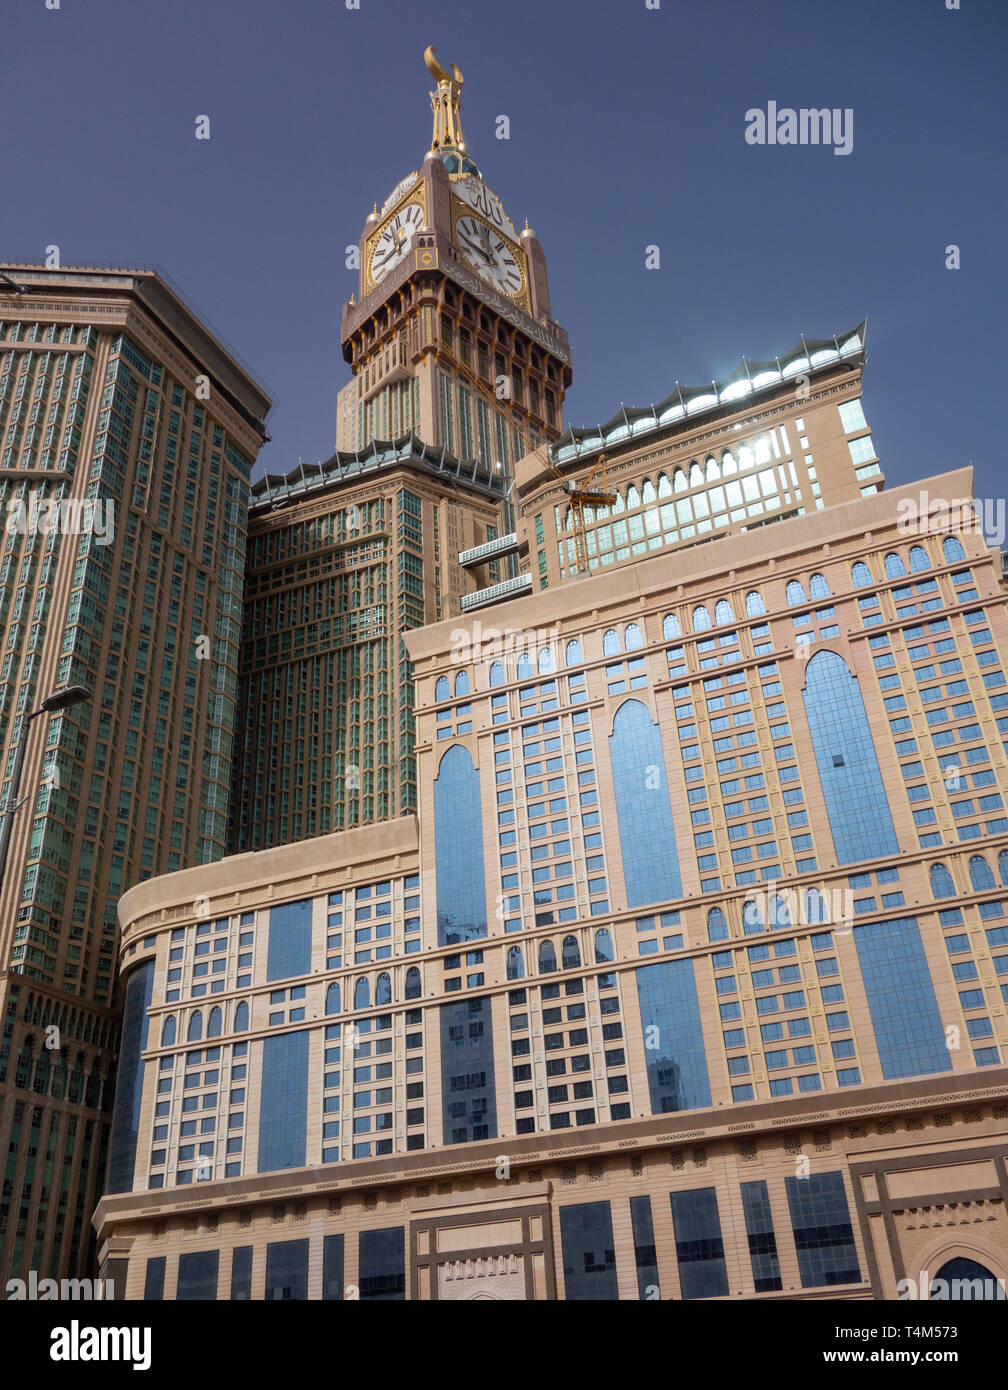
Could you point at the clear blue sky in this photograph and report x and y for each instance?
(627, 129)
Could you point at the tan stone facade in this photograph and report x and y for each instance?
(813, 1099)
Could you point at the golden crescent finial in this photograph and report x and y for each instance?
(437, 71)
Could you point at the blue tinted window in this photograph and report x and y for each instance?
(645, 1253)
(289, 950)
(241, 1273)
(762, 1242)
(468, 1092)
(458, 835)
(848, 767)
(589, 1253)
(901, 998)
(332, 1267)
(197, 1275)
(382, 1265)
(154, 1279)
(129, 1081)
(823, 1237)
(670, 1016)
(699, 1247)
(286, 1270)
(647, 833)
(283, 1109)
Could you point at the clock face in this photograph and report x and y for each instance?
(395, 240)
(487, 252)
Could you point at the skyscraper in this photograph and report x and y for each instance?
(686, 978)
(127, 435)
(458, 372)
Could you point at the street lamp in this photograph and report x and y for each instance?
(60, 699)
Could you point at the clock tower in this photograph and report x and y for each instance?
(450, 335)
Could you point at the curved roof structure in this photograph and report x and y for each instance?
(808, 355)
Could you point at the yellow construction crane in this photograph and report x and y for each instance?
(586, 493)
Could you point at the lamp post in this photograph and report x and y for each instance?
(60, 699)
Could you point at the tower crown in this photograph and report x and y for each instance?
(446, 139)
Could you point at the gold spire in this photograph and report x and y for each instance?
(445, 104)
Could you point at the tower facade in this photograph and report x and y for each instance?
(127, 435)
(451, 333)
(458, 371)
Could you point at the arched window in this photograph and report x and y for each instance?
(461, 683)
(610, 643)
(952, 549)
(817, 587)
(670, 627)
(544, 661)
(241, 1018)
(547, 958)
(458, 859)
(701, 618)
(574, 655)
(215, 1023)
(968, 1281)
(717, 927)
(779, 913)
(497, 673)
(571, 953)
(1003, 867)
(723, 613)
(794, 593)
(918, 559)
(333, 1003)
(941, 882)
(713, 470)
(894, 566)
(524, 666)
(168, 1031)
(815, 908)
(442, 691)
(679, 483)
(632, 638)
(414, 984)
(754, 604)
(643, 810)
(604, 946)
(728, 464)
(664, 486)
(632, 497)
(362, 994)
(752, 918)
(848, 767)
(696, 477)
(194, 1033)
(515, 963)
(648, 491)
(383, 989)
(861, 575)
(980, 874)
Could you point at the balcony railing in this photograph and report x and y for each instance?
(497, 593)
